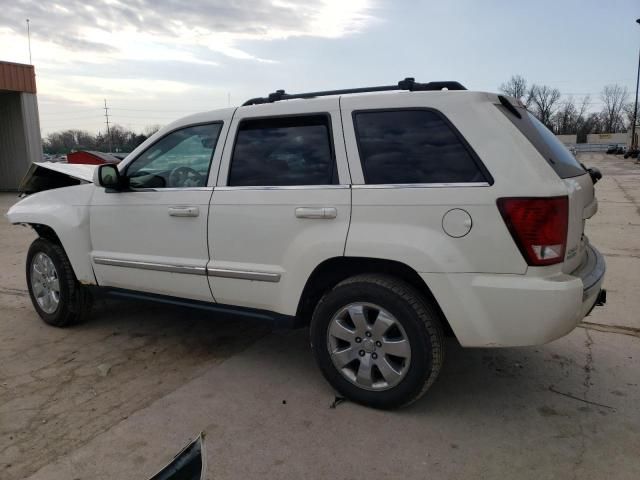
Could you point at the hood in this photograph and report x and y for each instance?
(47, 175)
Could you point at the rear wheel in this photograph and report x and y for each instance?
(55, 293)
(377, 341)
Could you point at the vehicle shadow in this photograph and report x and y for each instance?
(487, 381)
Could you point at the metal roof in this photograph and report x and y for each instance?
(17, 77)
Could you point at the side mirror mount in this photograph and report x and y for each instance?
(108, 176)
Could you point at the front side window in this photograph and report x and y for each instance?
(412, 146)
(181, 159)
(279, 151)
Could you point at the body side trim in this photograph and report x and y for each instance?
(284, 187)
(192, 270)
(243, 274)
(421, 185)
(162, 267)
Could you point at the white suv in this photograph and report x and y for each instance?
(382, 220)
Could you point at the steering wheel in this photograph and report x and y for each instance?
(185, 177)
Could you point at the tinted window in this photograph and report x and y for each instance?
(283, 151)
(180, 159)
(552, 149)
(412, 146)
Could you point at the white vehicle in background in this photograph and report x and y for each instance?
(380, 220)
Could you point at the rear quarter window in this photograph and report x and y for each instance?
(545, 142)
(413, 146)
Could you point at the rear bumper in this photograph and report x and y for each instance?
(591, 272)
(492, 310)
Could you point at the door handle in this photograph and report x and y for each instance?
(319, 212)
(184, 211)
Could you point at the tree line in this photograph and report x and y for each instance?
(119, 139)
(563, 116)
(566, 116)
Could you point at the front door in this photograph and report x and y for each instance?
(282, 203)
(153, 237)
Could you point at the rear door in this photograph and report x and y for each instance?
(281, 205)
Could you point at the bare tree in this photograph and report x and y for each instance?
(123, 140)
(614, 98)
(543, 101)
(151, 129)
(565, 120)
(515, 87)
(570, 118)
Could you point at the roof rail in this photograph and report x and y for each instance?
(407, 84)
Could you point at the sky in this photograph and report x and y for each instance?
(154, 61)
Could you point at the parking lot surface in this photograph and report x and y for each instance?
(117, 397)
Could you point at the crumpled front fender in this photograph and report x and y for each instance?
(66, 212)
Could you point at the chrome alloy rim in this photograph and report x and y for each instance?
(368, 346)
(45, 283)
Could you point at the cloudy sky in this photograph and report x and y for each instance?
(157, 60)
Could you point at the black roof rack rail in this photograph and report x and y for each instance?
(406, 84)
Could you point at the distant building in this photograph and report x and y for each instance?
(568, 139)
(92, 158)
(20, 141)
(609, 138)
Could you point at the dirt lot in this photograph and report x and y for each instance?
(118, 396)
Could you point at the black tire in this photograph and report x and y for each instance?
(75, 301)
(419, 319)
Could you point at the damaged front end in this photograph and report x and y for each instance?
(43, 176)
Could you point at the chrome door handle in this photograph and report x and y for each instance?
(184, 211)
(319, 212)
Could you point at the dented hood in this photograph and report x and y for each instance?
(47, 175)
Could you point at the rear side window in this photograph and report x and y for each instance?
(413, 146)
(552, 149)
(283, 151)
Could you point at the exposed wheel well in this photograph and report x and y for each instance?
(47, 232)
(332, 271)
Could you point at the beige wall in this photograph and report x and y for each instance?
(608, 138)
(568, 139)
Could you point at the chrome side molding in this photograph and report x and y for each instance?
(161, 267)
(421, 185)
(243, 274)
(191, 270)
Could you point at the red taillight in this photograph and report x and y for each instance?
(538, 226)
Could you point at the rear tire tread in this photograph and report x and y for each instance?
(425, 311)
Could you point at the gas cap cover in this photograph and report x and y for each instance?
(457, 222)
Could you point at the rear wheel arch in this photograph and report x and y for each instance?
(334, 270)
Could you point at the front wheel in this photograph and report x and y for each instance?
(55, 293)
(377, 341)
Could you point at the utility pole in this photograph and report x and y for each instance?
(634, 144)
(106, 116)
(29, 41)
